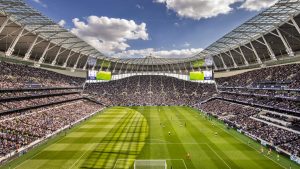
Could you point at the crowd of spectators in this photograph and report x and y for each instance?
(241, 116)
(29, 102)
(31, 93)
(19, 130)
(276, 88)
(264, 92)
(19, 76)
(151, 90)
(285, 75)
(35, 103)
(272, 102)
(289, 120)
(293, 147)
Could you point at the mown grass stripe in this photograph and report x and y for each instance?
(175, 138)
(241, 148)
(95, 156)
(197, 135)
(129, 136)
(185, 136)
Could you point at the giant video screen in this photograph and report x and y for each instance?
(202, 75)
(99, 75)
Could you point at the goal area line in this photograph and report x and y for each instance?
(133, 160)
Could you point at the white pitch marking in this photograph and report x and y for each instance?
(36, 154)
(250, 146)
(218, 155)
(80, 158)
(153, 160)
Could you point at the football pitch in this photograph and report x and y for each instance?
(185, 138)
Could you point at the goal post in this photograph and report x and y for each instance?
(150, 164)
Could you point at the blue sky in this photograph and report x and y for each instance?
(167, 28)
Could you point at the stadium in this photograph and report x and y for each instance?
(65, 104)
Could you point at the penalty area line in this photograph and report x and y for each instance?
(218, 155)
(242, 141)
(74, 164)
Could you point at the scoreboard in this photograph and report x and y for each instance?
(101, 75)
(202, 75)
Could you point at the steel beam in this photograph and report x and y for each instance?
(269, 48)
(56, 56)
(256, 54)
(285, 43)
(4, 24)
(11, 49)
(224, 65)
(42, 58)
(29, 51)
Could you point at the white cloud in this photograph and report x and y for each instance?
(109, 35)
(198, 9)
(176, 24)
(256, 5)
(186, 44)
(139, 6)
(183, 53)
(41, 3)
(62, 23)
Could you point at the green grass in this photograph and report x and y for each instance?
(119, 135)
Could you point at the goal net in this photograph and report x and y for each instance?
(150, 164)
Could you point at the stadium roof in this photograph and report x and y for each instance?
(35, 22)
(259, 25)
(269, 22)
(271, 35)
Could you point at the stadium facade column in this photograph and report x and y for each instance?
(69, 55)
(162, 68)
(285, 43)
(108, 67)
(95, 65)
(231, 56)
(85, 65)
(224, 65)
(60, 52)
(294, 23)
(75, 66)
(101, 65)
(243, 55)
(11, 49)
(240, 51)
(199, 68)
(29, 51)
(256, 54)
(186, 70)
(272, 55)
(174, 71)
(166, 68)
(114, 70)
(4, 24)
(192, 67)
(42, 58)
(121, 68)
(215, 65)
(179, 69)
(56, 56)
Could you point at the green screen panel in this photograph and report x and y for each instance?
(103, 63)
(103, 75)
(198, 63)
(196, 75)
